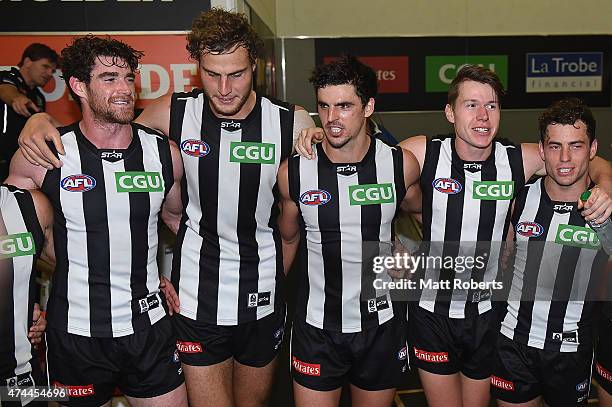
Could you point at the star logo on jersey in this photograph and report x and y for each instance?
(231, 125)
(78, 183)
(529, 229)
(315, 197)
(252, 153)
(447, 186)
(17, 245)
(371, 194)
(139, 181)
(493, 190)
(472, 166)
(563, 207)
(577, 236)
(195, 148)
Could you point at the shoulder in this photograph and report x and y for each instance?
(11, 77)
(279, 103)
(147, 131)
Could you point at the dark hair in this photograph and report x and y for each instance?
(347, 71)
(38, 51)
(477, 74)
(218, 31)
(567, 111)
(79, 58)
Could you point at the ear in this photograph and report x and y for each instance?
(254, 65)
(369, 108)
(593, 151)
(450, 115)
(26, 62)
(78, 87)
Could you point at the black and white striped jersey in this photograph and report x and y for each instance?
(227, 266)
(557, 271)
(343, 208)
(465, 203)
(21, 241)
(106, 206)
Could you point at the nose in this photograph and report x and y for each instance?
(125, 86)
(482, 113)
(332, 114)
(565, 154)
(225, 87)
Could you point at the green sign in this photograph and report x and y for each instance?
(371, 194)
(139, 181)
(441, 70)
(252, 153)
(493, 190)
(18, 244)
(577, 236)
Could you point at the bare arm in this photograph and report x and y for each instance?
(288, 218)
(39, 129)
(157, 115)
(19, 102)
(23, 174)
(417, 146)
(412, 201)
(44, 211)
(173, 207)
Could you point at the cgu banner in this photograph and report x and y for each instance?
(165, 68)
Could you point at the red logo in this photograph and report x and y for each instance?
(432, 357)
(309, 369)
(77, 391)
(195, 148)
(501, 383)
(603, 372)
(189, 347)
(78, 183)
(391, 72)
(529, 229)
(315, 197)
(447, 186)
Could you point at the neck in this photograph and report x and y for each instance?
(566, 193)
(351, 152)
(468, 152)
(26, 77)
(106, 135)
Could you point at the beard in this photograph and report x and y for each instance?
(228, 110)
(105, 111)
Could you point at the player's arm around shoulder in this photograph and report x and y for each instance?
(413, 200)
(157, 115)
(288, 218)
(417, 145)
(172, 209)
(23, 174)
(44, 212)
(39, 129)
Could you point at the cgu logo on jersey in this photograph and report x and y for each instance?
(447, 186)
(371, 194)
(529, 229)
(195, 148)
(78, 183)
(493, 190)
(252, 153)
(577, 236)
(17, 245)
(139, 181)
(315, 197)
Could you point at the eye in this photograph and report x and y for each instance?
(323, 106)
(491, 106)
(237, 75)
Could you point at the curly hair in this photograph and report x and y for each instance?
(217, 31)
(567, 111)
(477, 74)
(347, 71)
(79, 58)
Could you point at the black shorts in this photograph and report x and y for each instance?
(521, 373)
(34, 378)
(373, 359)
(143, 364)
(603, 361)
(253, 343)
(445, 346)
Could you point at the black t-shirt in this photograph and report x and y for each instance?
(11, 123)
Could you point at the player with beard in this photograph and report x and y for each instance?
(452, 331)
(227, 266)
(107, 317)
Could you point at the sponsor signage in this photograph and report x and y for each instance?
(529, 229)
(564, 72)
(502, 384)
(493, 190)
(315, 197)
(447, 185)
(371, 194)
(441, 70)
(78, 183)
(432, 357)
(577, 236)
(165, 68)
(99, 15)
(189, 347)
(195, 148)
(139, 181)
(310, 369)
(252, 153)
(16, 245)
(391, 72)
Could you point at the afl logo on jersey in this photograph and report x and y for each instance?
(447, 186)
(529, 229)
(195, 148)
(78, 183)
(315, 197)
